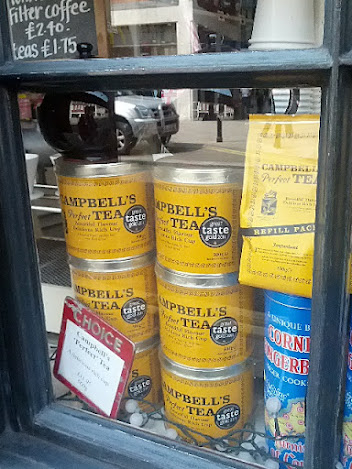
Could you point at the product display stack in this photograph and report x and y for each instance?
(221, 230)
(205, 315)
(278, 225)
(107, 208)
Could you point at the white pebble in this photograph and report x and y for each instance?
(273, 405)
(220, 447)
(244, 456)
(171, 433)
(272, 464)
(339, 465)
(247, 445)
(132, 406)
(136, 419)
(157, 426)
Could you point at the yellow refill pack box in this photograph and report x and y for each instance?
(277, 214)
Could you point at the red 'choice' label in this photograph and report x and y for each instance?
(93, 359)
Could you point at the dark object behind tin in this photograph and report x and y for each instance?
(79, 125)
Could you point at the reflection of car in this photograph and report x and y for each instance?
(143, 118)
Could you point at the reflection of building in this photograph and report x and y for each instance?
(145, 39)
(167, 27)
(77, 110)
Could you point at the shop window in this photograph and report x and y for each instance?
(189, 208)
(201, 381)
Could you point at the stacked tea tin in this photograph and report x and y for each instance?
(205, 315)
(109, 229)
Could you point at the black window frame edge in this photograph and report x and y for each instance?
(26, 404)
(247, 68)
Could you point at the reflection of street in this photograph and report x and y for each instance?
(199, 137)
(87, 127)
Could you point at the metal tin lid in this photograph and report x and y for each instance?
(103, 266)
(147, 344)
(202, 169)
(88, 169)
(182, 279)
(200, 374)
(291, 301)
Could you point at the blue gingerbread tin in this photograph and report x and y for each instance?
(286, 366)
(346, 445)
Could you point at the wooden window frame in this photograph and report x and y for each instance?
(30, 417)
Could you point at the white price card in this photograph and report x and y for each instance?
(93, 359)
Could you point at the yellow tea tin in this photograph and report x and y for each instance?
(144, 381)
(122, 292)
(211, 402)
(197, 217)
(205, 321)
(107, 209)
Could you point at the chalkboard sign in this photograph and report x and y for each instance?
(51, 29)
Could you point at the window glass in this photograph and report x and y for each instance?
(52, 29)
(185, 220)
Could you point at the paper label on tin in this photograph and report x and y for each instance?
(127, 300)
(205, 328)
(93, 359)
(211, 407)
(144, 381)
(278, 203)
(108, 217)
(197, 226)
